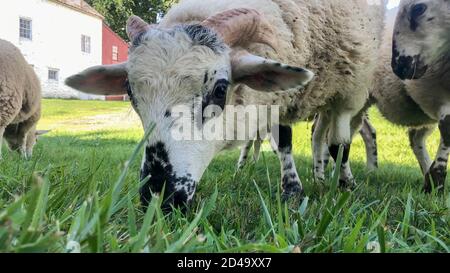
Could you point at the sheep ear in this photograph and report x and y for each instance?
(42, 132)
(101, 80)
(267, 75)
(136, 26)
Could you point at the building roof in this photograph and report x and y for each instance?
(81, 6)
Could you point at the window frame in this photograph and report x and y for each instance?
(115, 53)
(86, 44)
(23, 29)
(53, 70)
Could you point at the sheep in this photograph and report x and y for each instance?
(340, 98)
(414, 81)
(222, 53)
(20, 100)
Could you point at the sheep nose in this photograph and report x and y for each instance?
(403, 67)
(161, 179)
(409, 68)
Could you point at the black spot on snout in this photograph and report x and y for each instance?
(402, 66)
(408, 67)
(158, 169)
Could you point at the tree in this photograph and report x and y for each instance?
(117, 12)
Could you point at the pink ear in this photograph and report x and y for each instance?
(136, 26)
(101, 80)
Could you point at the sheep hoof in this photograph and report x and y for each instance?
(25, 154)
(372, 168)
(349, 184)
(435, 178)
(292, 190)
(320, 180)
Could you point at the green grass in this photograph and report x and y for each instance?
(79, 193)
(55, 111)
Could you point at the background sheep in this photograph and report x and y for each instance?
(421, 46)
(339, 41)
(20, 100)
(182, 60)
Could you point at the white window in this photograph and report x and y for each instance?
(115, 53)
(85, 44)
(25, 29)
(53, 74)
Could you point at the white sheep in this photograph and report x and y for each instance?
(342, 51)
(183, 59)
(20, 100)
(420, 56)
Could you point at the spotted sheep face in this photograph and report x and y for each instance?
(189, 66)
(421, 37)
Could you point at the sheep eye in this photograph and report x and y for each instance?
(220, 89)
(418, 10)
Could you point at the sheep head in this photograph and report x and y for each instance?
(189, 67)
(421, 41)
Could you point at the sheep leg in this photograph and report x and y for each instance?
(244, 154)
(340, 135)
(369, 136)
(30, 141)
(320, 148)
(2, 131)
(8, 113)
(257, 149)
(417, 140)
(22, 133)
(245, 151)
(438, 171)
(290, 181)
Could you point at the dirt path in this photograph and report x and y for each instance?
(127, 119)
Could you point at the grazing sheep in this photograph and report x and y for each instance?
(343, 56)
(203, 49)
(20, 100)
(418, 94)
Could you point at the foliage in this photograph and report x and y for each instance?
(117, 12)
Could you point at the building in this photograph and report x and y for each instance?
(57, 37)
(115, 50)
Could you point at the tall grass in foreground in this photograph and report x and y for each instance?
(111, 221)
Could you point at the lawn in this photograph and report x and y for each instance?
(79, 193)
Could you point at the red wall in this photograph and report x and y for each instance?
(111, 39)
